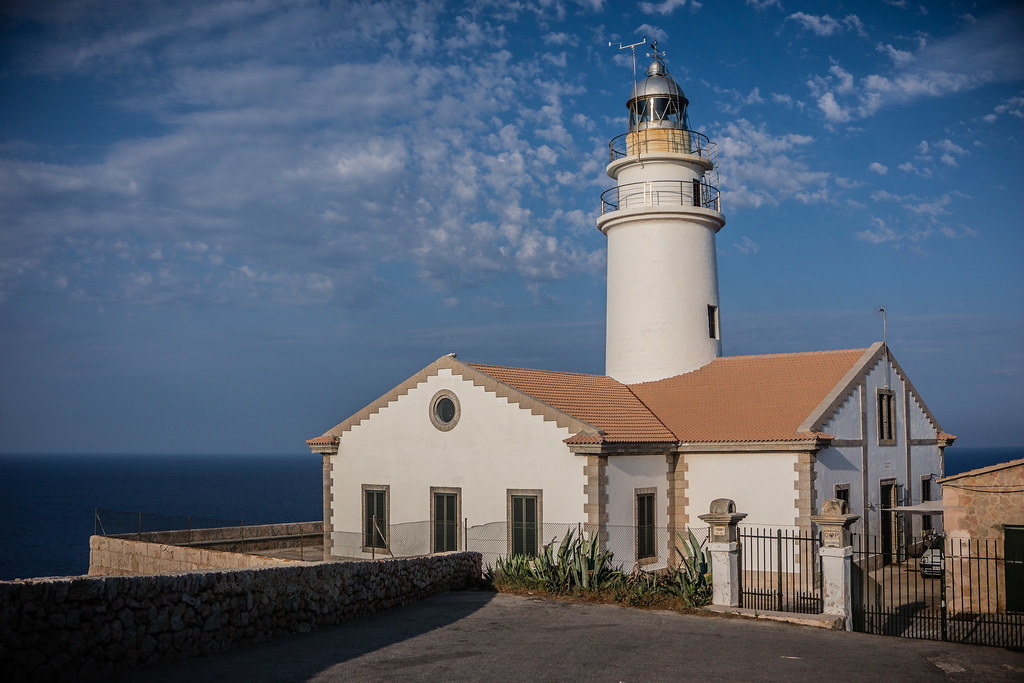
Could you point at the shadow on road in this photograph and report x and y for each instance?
(303, 656)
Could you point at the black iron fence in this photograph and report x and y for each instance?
(780, 570)
(937, 589)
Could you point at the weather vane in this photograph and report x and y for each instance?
(659, 55)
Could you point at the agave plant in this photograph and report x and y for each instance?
(692, 578)
(578, 564)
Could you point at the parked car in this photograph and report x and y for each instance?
(931, 562)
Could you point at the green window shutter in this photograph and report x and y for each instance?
(446, 523)
(524, 525)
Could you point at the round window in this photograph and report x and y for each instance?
(444, 410)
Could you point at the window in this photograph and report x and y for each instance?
(713, 322)
(375, 517)
(645, 531)
(842, 492)
(524, 516)
(445, 410)
(445, 512)
(886, 417)
(926, 495)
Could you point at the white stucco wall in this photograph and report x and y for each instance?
(494, 447)
(761, 484)
(662, 270)
(626, 474)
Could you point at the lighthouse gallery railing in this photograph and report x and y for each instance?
(660, 193)
(674, 141)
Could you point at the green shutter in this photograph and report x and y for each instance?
(446, 523)
(524, 525)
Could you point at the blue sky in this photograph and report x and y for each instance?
(226, 226)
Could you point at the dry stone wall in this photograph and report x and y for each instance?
(87, 628)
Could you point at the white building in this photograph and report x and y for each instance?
(522, 455)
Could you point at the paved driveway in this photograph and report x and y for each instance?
(483, 636)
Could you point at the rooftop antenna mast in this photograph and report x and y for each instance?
(885, 345)
(632, 48)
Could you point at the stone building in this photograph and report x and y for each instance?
(984, 516)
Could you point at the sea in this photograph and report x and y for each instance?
(48, 503)
(52, 503)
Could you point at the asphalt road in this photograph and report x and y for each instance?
(494, 637)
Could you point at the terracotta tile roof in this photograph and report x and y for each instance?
(597, 400)
(739, 398)
(747, 398)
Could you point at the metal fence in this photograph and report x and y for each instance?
(492, 540)
(120, 523)
(211, 533)
(942, 589)
(780, 570)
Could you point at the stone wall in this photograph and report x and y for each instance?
(93, 627)
(979, 503)
(110, 556)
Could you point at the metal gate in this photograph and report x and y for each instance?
(937, 589)
(780, 570)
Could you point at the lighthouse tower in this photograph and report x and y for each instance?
(661, 219)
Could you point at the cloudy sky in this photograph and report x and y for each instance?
(227, 225)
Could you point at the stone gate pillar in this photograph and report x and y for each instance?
(836, 559)
(723, 543)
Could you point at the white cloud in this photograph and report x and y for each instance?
(879, 233)
(933, 209)
(878, 168)
(825, 25)
(900, 58)
(832, 110)
(984, 52)
(667, 7)
(646, 30)
(746, 246)
(766, 169)
(560, 39)
(1013, 106)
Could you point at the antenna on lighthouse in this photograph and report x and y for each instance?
(632, 48)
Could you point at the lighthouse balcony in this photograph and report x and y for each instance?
(660, 140)
(663, 193)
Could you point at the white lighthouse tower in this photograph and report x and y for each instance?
(661, 219)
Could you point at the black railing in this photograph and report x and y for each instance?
(668, 193)
(951, 589)
(652, 140)
(780, 570)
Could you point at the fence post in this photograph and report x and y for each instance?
(836, 559)
(723, 543)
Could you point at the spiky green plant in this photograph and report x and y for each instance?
(691, 579)
(577, 565)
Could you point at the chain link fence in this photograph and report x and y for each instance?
(211, 533)
(492, 540)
